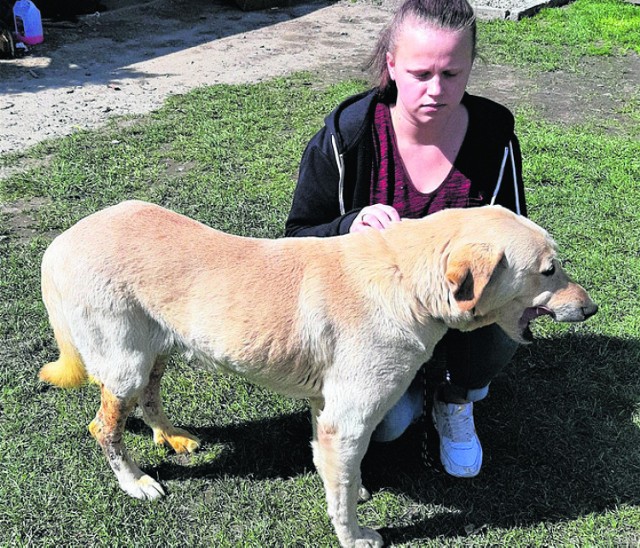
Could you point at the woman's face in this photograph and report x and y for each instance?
(431, 68)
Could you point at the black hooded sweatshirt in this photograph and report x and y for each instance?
(334, 180)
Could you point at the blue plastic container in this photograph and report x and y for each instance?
(28, 22)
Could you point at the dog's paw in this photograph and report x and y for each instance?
(180, 440)
(144, 488)
(369, 539)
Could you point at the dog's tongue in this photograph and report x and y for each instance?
(528, 316)
(533, 313)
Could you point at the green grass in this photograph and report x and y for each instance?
(560, 431)
(560, 38)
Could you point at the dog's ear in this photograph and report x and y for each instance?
(468, 271)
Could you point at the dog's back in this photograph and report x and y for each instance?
(139, 272)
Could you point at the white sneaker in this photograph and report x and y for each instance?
(460, 449)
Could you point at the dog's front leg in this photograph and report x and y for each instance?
(316, 408)
(108, 428)
(337, 454)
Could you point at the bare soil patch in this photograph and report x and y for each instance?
(128, 60)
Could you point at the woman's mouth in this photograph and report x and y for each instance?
(432, 107)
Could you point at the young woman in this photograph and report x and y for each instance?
(415, 144)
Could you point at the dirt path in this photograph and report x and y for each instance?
(129, 59)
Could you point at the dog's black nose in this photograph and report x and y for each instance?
(590, 310)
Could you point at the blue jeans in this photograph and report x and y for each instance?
(472, 360)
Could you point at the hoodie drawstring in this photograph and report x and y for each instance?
(508, 151)
(340, 163)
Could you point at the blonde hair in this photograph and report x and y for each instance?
(455, 15)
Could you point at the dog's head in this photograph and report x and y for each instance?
(503, 268)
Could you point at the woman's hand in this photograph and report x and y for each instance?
(378, 216)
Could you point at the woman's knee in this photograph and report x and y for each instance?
(401, 415)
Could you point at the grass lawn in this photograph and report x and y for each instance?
(561, 430)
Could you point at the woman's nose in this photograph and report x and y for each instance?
(434, 87)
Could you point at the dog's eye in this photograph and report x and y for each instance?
(549, 271)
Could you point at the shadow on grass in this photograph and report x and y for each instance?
(270, 448)
(558, 435)
(559, 442)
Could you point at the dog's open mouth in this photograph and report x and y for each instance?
(529, 315)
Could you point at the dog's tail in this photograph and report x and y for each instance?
(68, 371)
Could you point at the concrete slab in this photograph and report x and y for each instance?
(514, 10)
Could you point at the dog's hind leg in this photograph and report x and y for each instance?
(153, 414)
(108, 428)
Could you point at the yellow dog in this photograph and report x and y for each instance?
(345, 322)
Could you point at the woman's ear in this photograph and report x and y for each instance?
(391, 65)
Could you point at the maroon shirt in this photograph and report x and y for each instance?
(392, 185)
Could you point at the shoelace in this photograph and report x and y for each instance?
(464, 428)
(459, 426)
